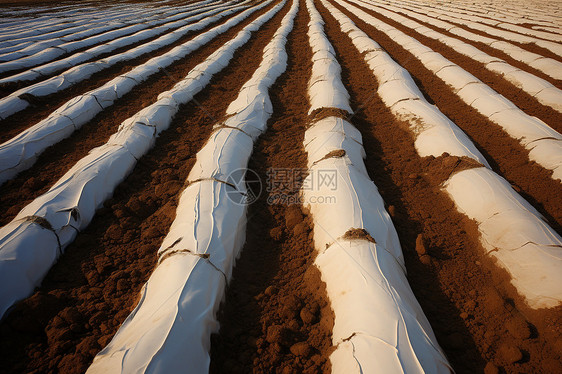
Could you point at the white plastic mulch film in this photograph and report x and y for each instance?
(69, 206)
(533, 254)
(379, 325)
(513, 232)
(77, 29)
(171, 326)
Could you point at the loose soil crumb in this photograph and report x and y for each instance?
(440, 169)
(321, 113)
(358, 234)
(338, 153)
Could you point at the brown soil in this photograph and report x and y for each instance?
(276, 318)
(532, 27)
(56, 160)
(522, 100)
(494, 52)
(95, 284)
(466, 297)
(444, 166)
(506, 156)
(42, 107)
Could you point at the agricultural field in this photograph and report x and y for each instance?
(281, 186)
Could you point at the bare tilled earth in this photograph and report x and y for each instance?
(276, 315)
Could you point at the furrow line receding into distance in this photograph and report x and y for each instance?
(476, 29)
(360, 257)
(32, 47)
(540, 66)
(507, 24)
(512, 231)
(506, 155)
(542, 47)
(544, 144)
(100, 51)
(53, 59)
(38, 85)
(531, 89)
(37, 27)
(64, 30)
(195, 260)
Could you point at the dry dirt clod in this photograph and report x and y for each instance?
(301, 349)
(420, 245)
(518, 327)
(293, 216)
(490, 368)
(509, 353)
(276, 233)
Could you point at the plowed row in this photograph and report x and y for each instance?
(276, 298)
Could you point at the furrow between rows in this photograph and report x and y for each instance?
(58, 215)
(44, 40)
(276, 317)
(547, 153)
(49, 81)
(360, 256)
(521, 61)
(196, 258)
(546, 48)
